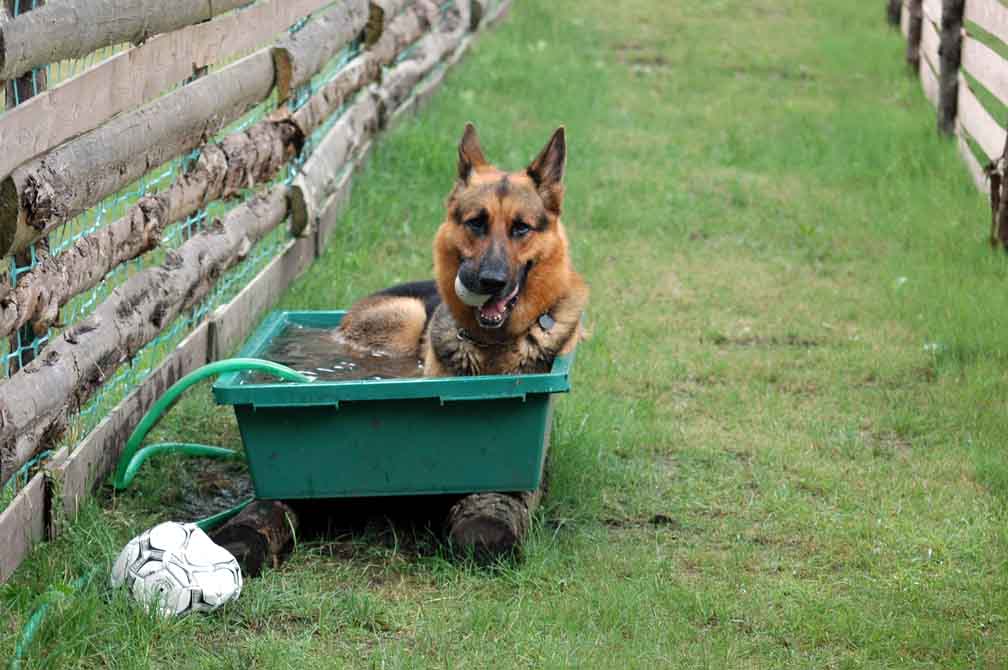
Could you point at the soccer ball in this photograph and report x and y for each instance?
(177, 568)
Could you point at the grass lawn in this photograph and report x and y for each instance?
(785, 444)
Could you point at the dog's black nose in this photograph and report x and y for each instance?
(492, 281)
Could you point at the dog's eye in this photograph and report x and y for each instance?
(477, 225)
(520, 229)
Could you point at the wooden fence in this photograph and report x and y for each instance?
(281, 102)
(958, 50)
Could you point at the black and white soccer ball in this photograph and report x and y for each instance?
(178, 569)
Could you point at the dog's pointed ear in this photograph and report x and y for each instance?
(470, 153)
(547, 170)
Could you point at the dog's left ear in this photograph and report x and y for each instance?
(547, 170)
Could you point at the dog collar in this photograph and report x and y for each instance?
(545, 321)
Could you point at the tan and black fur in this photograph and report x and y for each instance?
(502, 238)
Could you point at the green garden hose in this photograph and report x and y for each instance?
(133, 457)
(38, 614)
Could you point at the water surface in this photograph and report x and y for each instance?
(321, 353)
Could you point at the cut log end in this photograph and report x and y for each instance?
(375, 24)
(260, 536)
(490, 526)
(477, 12)
(8, 215)
(284, 68)
(299, 217)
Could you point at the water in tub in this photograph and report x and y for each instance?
(321, 354)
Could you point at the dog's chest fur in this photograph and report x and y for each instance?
(452, 351)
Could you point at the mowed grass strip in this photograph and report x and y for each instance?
(785, 444)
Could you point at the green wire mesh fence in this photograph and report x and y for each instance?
(21, 347)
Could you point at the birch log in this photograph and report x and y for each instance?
(300, 55)
(380, 16)
(64, 30)
(398, 84)
(18, 91)
(139, 75)
(329, 99)
(405, 29)
(321, 172)
(36, 402)
(242, 160)
(46, 192)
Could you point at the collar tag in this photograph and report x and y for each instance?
(546, 322)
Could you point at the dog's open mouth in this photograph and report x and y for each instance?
(495, 311)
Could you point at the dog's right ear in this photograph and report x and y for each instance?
(470, 153)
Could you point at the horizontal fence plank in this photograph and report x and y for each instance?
(397, 89)
(96, 456)
(929, 81)
(933, 11)
(26, 520)
(301, 55)
(37, 402)
(240, 160)
(338, 201)
(979, 123)
(60, 31)
(987, 66)
(47, 191)
(22, 525)
(972, 165)
(137, 76)
(372, 110)
(930, 44)
(990, 15)
(322, 171)
(405, 29)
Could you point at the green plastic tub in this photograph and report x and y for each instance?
(392, 436)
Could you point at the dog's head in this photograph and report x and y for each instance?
(500, 256)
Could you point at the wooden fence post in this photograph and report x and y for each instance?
(916, 11)
(17, 91)
(950, 55)
(998, 201)
(893, 9)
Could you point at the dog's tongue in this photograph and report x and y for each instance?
(494, 308)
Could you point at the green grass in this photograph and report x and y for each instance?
(785, 445)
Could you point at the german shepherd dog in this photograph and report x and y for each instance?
(505, 298)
